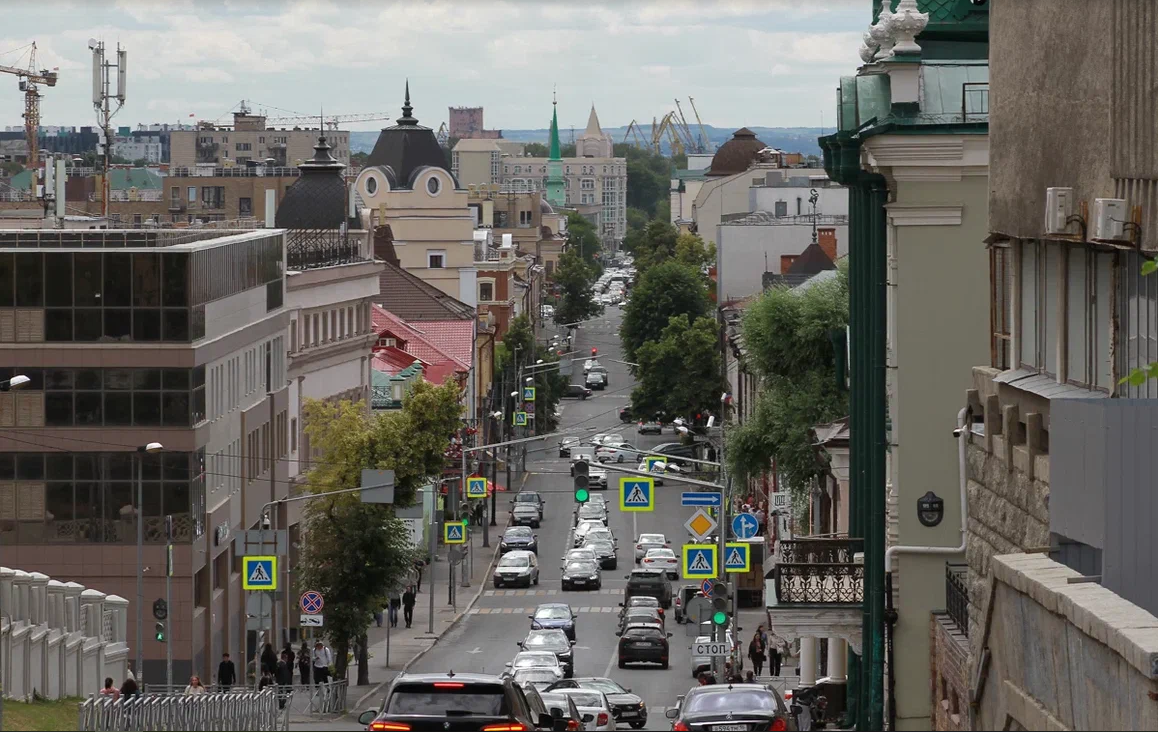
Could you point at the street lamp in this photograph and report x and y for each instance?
(151, 447)
(18, 381)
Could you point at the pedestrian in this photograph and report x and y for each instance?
(419, 565)
(408, 600)
(703, 678)
(304, 663)
(284, 678)
(756, 653)
(195, 687)
(774, 660)
(289, 651)
(749, 678)
(323, 657)
(395, 604)
(266, 680)
(226, 673)
(268, 660)
(129, 690)
(378, 618)
(110, 690)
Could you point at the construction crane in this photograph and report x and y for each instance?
(443, 135)
(703, 133)
(329, 121)
(692, 143)
(669, 125)
(633, 131)
(30, 79)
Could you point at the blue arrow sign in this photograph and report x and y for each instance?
(745, 526)
(696, 498)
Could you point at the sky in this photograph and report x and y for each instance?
(772, 63)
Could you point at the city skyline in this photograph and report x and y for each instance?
(193, 60)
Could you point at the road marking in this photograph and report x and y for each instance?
(476, 649)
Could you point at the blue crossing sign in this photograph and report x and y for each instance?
(259, 573)
(528, 393)
(737, 557)
(745, 526)
(476, 487)
(699, 561)
(698, 498)
(454, 533)
(520, 419)
(636, 493)
(650, 462)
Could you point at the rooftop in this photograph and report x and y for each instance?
(768, 218)
(412, 298)
(122, 238)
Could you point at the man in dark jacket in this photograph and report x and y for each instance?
(408, 605)
(226, 673)
(284, 677)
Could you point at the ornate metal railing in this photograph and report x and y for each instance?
(312, 248)
(819, 571)
(957, 595)
(382, 397)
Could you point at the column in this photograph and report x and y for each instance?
(807, 662)
(837, 659)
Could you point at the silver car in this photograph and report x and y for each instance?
(646, 542)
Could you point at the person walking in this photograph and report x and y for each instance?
(419, 565)
(284, 678)
(774, 660)
(304, 663)
(129, 690)
(288, 650)
(226, 673)
(109, 690)
(323, 657)
(408, 600)
(268, 660)
(395, 603)
(756, 653)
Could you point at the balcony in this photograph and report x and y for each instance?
(313, 248)
(957, 595)
(819, 572)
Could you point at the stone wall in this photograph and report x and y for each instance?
(948, 674)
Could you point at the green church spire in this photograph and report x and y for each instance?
(556, 191)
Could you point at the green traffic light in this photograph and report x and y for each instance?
(582, 495)
(720, 617)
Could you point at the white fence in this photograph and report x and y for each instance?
(255, 712)
(58, 639)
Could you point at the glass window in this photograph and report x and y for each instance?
(58, 279)
(118, 408)
(118, 283)
(175, 409)
(175, 324)
(146, 279)
(146, 324)
(58, 409)
(58, 325)
(30, 466)
(146, 379)
(7, 280)
(30, 275)
(88, 408)
(87, 279)
(87, 325)
(1027, 345)
(118, 324)
(176, 272)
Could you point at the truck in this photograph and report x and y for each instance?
(750, 584)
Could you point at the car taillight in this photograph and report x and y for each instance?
(448, 685)
(678, 602)
(389, 727)
(778, 725)
(572, 724)
(648, 560)
(680, 726)
(602, 719)
(511, 727)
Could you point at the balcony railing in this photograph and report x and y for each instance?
(313, 248)
(819, 572)
(382, 397)
(957, 595)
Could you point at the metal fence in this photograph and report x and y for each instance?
(255, 712)
(957, 595)
(328, 698)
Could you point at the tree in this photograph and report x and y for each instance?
(574, 277)
(789, 342)
(583, 237)
(691, 250)
(679, 373)
(657, 244)
(141, 163)
(662, 292)
(356, 553)
(358, 159)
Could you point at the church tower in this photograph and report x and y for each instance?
(556, 190)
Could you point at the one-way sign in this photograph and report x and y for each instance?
(698, 498)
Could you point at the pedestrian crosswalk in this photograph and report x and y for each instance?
(546, 593)
(529, 610)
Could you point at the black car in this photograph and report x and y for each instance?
(735, 706)
(566, 444)
(519, 537)
(643, 644)
(605, 550)
(531, 497)
(576, 391)
(625, 414)
(554, 616)
(453, 701)
(582, 574)
(650, 582)
(555, 641)
(625, 706)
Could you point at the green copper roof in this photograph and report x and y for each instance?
(122, 179)
(942, 11)
(554, 153)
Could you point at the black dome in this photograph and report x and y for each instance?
(316, 200)
(408, 146)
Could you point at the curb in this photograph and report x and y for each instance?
(453, 623)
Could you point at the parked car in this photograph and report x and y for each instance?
(646, 542)
(664, 559)
(517, 568)
(575, 391)
(649, 427)
(731, 706)
(625, 706)
(582, 574)
(555, 641)
(643, 644)
(616, 452)
(554, 615)
(427, 701)
(650, 582)
(518, 537)
(566, 444)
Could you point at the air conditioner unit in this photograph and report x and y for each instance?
(1110, 218)
(1059, 206)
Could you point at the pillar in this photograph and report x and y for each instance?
(837, 659)
(807, 662)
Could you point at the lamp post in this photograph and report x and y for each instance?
(16, 382)
(152, 447)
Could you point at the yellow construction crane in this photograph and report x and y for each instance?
(443, 135)
(691, 142)
(30, 79)
(669, 125)
(703, 133)
(634, 133)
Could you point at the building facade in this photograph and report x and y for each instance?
(759, 244)
(250, 139)
(466, 123)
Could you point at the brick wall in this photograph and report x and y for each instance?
(948, 674)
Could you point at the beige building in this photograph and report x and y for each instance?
(250, 139)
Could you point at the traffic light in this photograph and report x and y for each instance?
(719, 603)
(594, 351)
(580, 471)
(159, 632)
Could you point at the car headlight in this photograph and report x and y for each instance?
(594, 576)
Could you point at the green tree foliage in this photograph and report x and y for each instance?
(659, 242)
(789, 340)
(679, 372)
(355, 553)
(583, 238)
(358, 159)
(694, 251)
(574, 277)
(664, 291)
(549, 384)
(541, 150)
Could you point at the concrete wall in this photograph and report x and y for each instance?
(1065, 656)
(719, 197)
(831, 201)
(745, 252)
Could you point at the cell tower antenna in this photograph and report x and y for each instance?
(102, 94)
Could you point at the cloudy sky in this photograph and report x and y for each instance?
(746, 62)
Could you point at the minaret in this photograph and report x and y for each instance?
(556, 190)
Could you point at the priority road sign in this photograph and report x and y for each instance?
(454, 533)
(528, 393)
(745, 526)
(701, 498)
(311, 602)
(476, 487)
(737, 557)
(699, 561)
(259, 573)
(520, 419)
(706, 587)
(700, 525)
(636, 493)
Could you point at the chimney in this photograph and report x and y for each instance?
(786, 261)
(826, 238)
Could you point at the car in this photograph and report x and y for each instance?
(554, 615)
(604, 534)
(537, 678)
(583, 527)
(616, 452)
(673, 451)
(639, 601)
(703, 663)
(525, 514)
(575, 391)
(646, 542)
(601, 370)
(625, 414)
(683, 596)
(531, 497)
(555, 641)
(589, 364)
(643, 644)
(518, 537)
(664, 559)
(731, 706)
(596, 380)
(594, 707)
(651, 582)
(649, 427)
(604, 438)
(582, 453)
(605, 550)
(625, 706)
(517, 568)
(563, 711)
(597, 499)
(597, 476)
(641, 616)
(582, 574)
(566, 444)
(440, 701)
(658, 468)
(578, 553)
(535, 659)
(591, 511)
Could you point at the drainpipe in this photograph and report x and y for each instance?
(962, 433)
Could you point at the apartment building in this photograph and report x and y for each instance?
(466, 123)
(249, 138)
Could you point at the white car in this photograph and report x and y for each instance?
(615, 452)
(604, 438)
(597, 476)
(594, 703)
(583, 527)
(598, 534)
(647, 542)
(589, 363)
(664, 559)
(579, 554)
(597, 498)
(537, 678)
(535, 659)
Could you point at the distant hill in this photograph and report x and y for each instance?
(789, 139)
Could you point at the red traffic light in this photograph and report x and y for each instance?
(594, 351)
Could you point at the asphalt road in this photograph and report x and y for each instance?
(486, 638)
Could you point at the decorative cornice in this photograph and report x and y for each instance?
(916, 214)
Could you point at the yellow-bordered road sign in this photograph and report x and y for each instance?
(636, 493)
(737, 556)
(259, 573)
(699, 561)
(454, 533)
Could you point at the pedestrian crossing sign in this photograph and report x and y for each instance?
(737, 557)
(520, 419)
(650, 461)
(528, 393)
(636, 493)
(699, 561)
(259, 573)
(476, 487)
(454, 533)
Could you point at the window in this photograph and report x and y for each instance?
(435, 258)
(587, 184)
(245, 207)
(518, 169)
(781, 208)
(1027, 271)
(1001, 304)
(192, 194)
(526, 218)
(371, 185)
(486, 291)
(433, 185)
(213, 196)
(244, 146)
